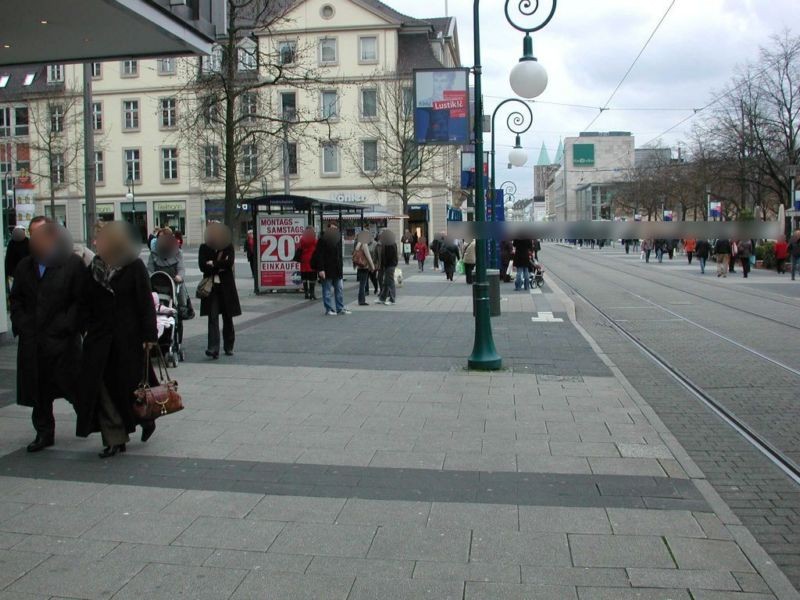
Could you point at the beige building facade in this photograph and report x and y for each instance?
(151, 172)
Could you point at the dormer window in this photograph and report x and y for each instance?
(212, 63)
(55, 73)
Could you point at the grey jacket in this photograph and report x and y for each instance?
(170, 264)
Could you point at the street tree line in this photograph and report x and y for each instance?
(740, 150)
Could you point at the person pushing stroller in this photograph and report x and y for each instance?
(167, 256)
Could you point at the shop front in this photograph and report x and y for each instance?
(136, 213)
(170, 214)
(215, 211)
(418, 220)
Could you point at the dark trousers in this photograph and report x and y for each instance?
(647, 256)
(388, 289)
(689, 256)
(362, 275)
(468, 269)
(216, 308)
(745, 265)
(406, 257)
(449, 269)
(781, 265)
(373, 277)
(43, 420)
(731, 263)
(435, 260)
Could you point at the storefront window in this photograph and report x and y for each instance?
(170, 214)
(136, 213)
(60, 214)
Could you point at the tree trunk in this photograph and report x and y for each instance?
(52, 192)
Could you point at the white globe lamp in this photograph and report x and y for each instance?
(517, 157)
(528, 77)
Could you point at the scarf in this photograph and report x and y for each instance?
(102, 273)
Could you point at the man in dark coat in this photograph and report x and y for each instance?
(389, 261)
(327, 261)
(216, 259)
(522, 261)
(17, 249)
(45, 301)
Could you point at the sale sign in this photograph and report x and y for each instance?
(278, 238)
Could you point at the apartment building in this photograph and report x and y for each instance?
(150, 170)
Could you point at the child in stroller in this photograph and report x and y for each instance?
(168, 320)
(167, 257)
(536, 273)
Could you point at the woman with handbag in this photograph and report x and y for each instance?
(216, 259)
(119, 319)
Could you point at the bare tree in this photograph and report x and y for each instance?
(56, 138)
(236, 131)
(388, 156)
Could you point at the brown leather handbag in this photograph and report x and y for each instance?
(152, 402)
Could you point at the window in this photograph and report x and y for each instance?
(23, 157)
(249, 107)
(29, 79)
(327, 11)
(4, 80)
(166, 66)
(408, 102)
(21, 120)
(289, 105)
(368, 49)
(99, 168)
(330, 159)
(249, 160)
(330, 105)
(55, 73)
(169, 116)
(411, 155)
(369, 104)
(287, 52)
(130, 68)
(97, 116)
(370, 155)
(56, 118)
(97, 70)
(292, 155)
(327, 51)
(212, 63)
(130, 114)
(58, 171)
(247, 54)
(211, 166)
(210, 108)
(5, 122)
(169, 164)
(133, 165)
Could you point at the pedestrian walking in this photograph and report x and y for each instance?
(250, 252)
(506, 250)
(732, 257)
(436, 244)
(722, 250)
(690, 247)
(421, 252)
(407, 242)
(659, 248)
(627, 244)
(522, 261)
(745, 248)
(537, 247)
(216, 259)
(781, 254)
(45, 304)
(702, 250)
(305, 249)
(469, 261)
(327, 261)
(362, 262)
(647, 248)
(119, 319)
(794, 252)
(449, 255)
(389, 262)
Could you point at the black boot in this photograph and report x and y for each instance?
(311, 294)
(110, 451)
(305, 290)
(41, 442)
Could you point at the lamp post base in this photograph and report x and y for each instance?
(484, 356)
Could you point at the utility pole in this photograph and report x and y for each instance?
(88, 156)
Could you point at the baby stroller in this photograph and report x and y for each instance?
(536, 274)
(169, 317)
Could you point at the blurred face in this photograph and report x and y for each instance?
(43, 240)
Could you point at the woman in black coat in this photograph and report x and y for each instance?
(216, 259)
(120, 322)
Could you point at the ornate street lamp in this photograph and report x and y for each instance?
(528, 80)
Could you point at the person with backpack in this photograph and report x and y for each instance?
(362, 263)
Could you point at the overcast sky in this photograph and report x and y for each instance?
(589, 45)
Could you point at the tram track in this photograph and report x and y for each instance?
(772, 453)
(706, 298)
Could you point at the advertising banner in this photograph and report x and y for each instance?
(278, 237)
(715, 210)
(668, 215)
(25, 212)
(441, 106)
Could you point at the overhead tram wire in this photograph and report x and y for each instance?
(633, 64)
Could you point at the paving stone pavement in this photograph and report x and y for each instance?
(355, 458)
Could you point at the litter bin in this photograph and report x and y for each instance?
(493, 279)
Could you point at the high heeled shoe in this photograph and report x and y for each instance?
(110, 451)
(148, 430)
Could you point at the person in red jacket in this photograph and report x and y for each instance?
(308, 243)
(421, 252)
(781, 254)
